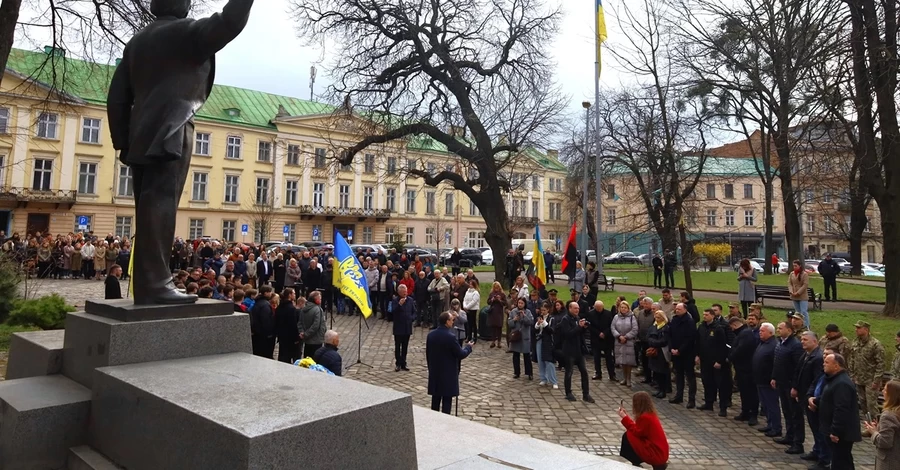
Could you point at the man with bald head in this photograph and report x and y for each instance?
(602, 341)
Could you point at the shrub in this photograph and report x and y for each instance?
(715, 253)
(10, 279)
(47, 312)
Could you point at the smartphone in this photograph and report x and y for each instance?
(869, 417)
(621, 403)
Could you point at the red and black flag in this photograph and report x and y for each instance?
(570, 255)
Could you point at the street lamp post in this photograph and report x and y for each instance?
(584, 199)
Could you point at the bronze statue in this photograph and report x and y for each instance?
(165, 76)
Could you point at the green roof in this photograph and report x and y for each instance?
(90, 82)
(713, 166)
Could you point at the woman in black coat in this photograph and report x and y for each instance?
(286, 327)
(658, 339)
(279, 269)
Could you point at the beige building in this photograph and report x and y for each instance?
(261, 162)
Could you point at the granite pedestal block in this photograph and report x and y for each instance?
(126, 310)
(93, 341)
(40, 419)
(86, 458)
(237, 411)
(35, 353)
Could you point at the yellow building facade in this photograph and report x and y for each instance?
(261, 162)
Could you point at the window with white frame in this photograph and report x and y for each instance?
(868, 227)
(320, 158)
(810, 195)
(126, 181)
(232, 186)
(827, 224)
(198, 191)
(410, 235)
(260, 232)
(391, 165)
(123, 225)
(318, 194)
(748, 218)
(233, 147)
(711, 217)
(48, 125)
(229, 227)
(201, 143)
(610, 217)
(473, 209)
(291, 190)
(729, 217)
(391, 199)
(262, 191)
(195, 228)
(369, 163)
(429, 236)
(535, 182)
(535, 209)
(368, 198)
(292, 233)
(410, 201)
(845, 196)
(449, 206)
(826, 196)
(88, 227)
(430, 168)
(389, 234)
(429, 202)
(344, 196)
(293, 154)
(87, 178)
(264, 151)
(367, 235)
(90, 130)
(476, 240)
(810, 223)
(847, 223)
(4, 120)
(410, 163)
(43, 174)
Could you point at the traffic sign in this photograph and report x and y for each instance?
(244, 229)
(447, 237)
(286, 231)
(350, 234)
(315, 233)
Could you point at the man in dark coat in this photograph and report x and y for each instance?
(286, 327)
(327, 356)
(670, 263)
(264, 269)
(166, 74)
(829, 270)
(809, 370)
(838, 412)
(112, 288)
(421, 296)
(442, 354)
(712, 355)
(262, 324)
(549, 259)
(784, 374)
(602, 340)
(404, 311)
(571, 334)
(657, 271)
(683, 346)
(741, 357)
(763, 361)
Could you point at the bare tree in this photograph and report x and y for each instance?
(438, 225)
(421, 69)
(262, 215)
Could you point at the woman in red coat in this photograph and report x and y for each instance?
(644, 440)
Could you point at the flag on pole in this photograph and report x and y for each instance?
(131, 269)
(537, 272)
(349, 273)
(601, 31)
(570, 255)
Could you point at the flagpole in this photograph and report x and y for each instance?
(584, 192)
(597, 40)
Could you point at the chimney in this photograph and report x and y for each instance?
(281, 112)
(54, 51)
(554, 154)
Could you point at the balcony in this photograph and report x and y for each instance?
(309, 212)
(23, 196)
(519, 221)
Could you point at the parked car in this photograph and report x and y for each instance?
(285, 247)
(753, 264)
(487, 257)
(592, 255)
(869, 271)
(844, 264)
(875, 266)
(784, 267)
(812, 265)
(358, 248)
(316, 245)
(471, 254)
(646, 259)
(621, 257)
(423, 255)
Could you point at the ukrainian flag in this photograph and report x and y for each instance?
(601, 30)
(350, 276)
(537, 273)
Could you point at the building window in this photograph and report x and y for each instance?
(555, 211)
(344, 196)
(126, 181)
(90, 130)
(318, 194)
(4, 120)
(228, 230)
(391, 200)
(711, 217)
(535, 183)
(195, 230)
(233, 147)
(810, 224)
(389, 235)
(391, 165)
(290, 192)
(293, 154)
(449, 207)
(429, 236)
(87, 178)
(748, 191)
(410, 163)
(535, 209)
(258, 235)
(123, 226)
(410, 235)
(369, 163)
(367, 235)
(826, 196)
(199, 187)
(710, 191)
(847, 224)
(262, 190)
(368, 197)
(317, 232)
(845, 197)
(610, 191)
(729, 191)
(84, 228)
(48, 124)
(43, 174)
(610, 217)
(827, 224)
(201, 143)
(748, 218)
(232, 184)
(430, 168)
(429, 202)
(292, 233)
(346, 167)
(411, 201)
(320, 158)
(264, 151)
(473, 209)
(729, 217)
(810, 195)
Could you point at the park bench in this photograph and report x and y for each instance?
(777, 292)
(607, 283)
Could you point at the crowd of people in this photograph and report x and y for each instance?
(81, 255)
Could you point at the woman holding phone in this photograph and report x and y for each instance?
(886, 430)
(644, 440)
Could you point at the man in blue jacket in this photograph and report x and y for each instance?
(838, 412)
(442, 354)
(784, 373)
(327, 356)
(404, 311)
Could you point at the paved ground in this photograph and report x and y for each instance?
(491, 396)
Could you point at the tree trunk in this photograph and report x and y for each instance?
(687, 254)
(890, 215)
(858, 221)
(769, 239)
(497, 233)
(9, 15)
(791, 213)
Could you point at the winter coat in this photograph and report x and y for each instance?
(442, 355)
(262, 319)
(763, 360)
(286, 323)
(569, 336)
(328, 357)
(312, 324)
(787, 356)
(742, 350)
(459, 324)
(523, 325)
(644, 320)
(885, 439)
(647, 438)
(403, 316)
(683, 336)
(798, 284)
(497, 302)
(545, 330)
(627, 326)
(838, 411)
(659, 338)
(472, 300)
(747, 286)
(578, 281)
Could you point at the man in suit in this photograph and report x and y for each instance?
(404, 312)
(741, 355)
(166, 74)
(264, 269)
(442, 354)
(571, 333)
(784, 375)
(809, 371)
(838, 408)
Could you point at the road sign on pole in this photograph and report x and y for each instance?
(350, 234)
(83, 221)
(244, 229)
(315, 233)
(286, 231)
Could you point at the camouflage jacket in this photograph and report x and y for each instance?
(866, 361)
(841, 345)
(895, 366)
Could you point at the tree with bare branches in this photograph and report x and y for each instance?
(422, 69)
(263, 215)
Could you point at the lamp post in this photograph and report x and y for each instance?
(584, 193)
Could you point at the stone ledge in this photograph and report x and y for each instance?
(35, 353)
(125, 310)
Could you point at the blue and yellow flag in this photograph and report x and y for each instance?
(131, 270)
(537, 274)
(601, 31)
(350, 276)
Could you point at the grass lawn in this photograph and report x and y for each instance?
(6, 331)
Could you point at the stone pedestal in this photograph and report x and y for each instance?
(34, 354)
(238, 411)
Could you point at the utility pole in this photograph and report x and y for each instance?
(584, 193)
(312, 80)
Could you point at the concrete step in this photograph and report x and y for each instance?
(86, 458)
(35, 353)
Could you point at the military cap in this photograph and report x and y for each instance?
(797, 316)
(832, 328)
(862, 324)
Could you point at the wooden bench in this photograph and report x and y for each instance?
(607, 283)
(777, 292)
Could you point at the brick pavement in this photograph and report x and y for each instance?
(490, 395)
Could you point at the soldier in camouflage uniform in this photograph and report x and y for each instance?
(866, 367)
(895, 366)
(797, 325)
(836, 341)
